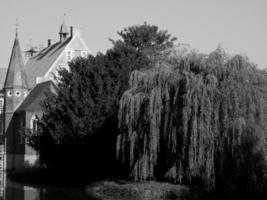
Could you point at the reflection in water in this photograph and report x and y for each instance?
(10, 190)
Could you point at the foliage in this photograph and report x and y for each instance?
(146, 36)
(74, 113)
(82, 118)
(196, 118)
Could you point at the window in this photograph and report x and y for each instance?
(38, 79)
(18, 93)
(34, 123)
(84, 54)
(1, 105)
(1, 115)
(69, 55)
(9, 93)
(1, 126)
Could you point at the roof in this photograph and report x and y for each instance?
(64, 29)
(16, 75)
(38, 65)
(32, 101)
(2, 77)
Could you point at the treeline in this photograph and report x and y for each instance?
(148, 109)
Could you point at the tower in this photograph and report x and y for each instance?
(15, 86)
(64, 31)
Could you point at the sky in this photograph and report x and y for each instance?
(239, 26)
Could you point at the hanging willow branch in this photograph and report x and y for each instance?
(188, 120)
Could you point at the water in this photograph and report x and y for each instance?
(11, 190)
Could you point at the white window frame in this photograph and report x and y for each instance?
(2, 105)
(34, 123)
(1, 115)
(38, 79)
(84, 54)
(69, 55)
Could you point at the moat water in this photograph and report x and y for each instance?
(11, 190)
(14, 190)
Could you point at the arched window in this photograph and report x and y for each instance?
(34, 123)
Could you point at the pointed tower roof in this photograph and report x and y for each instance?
(64, 28)
(16, 76)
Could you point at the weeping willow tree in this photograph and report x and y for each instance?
(197, 118)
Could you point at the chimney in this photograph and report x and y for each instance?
(49, 42)
(71, 31)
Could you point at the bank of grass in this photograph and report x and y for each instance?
(108, 189)
(114, 189)
(111, 190)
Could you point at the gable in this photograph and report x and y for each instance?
(76, 46)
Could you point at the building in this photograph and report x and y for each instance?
(23, 87)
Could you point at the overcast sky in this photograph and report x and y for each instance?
(240, 26)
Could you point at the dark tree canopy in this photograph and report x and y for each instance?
(146, 37)
(82, 118)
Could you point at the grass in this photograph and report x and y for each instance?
(111, 190)
(107, 189)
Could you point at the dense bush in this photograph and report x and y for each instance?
(196, 118)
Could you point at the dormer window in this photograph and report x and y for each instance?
(83, 54)
(9, 93)
(69, 55)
